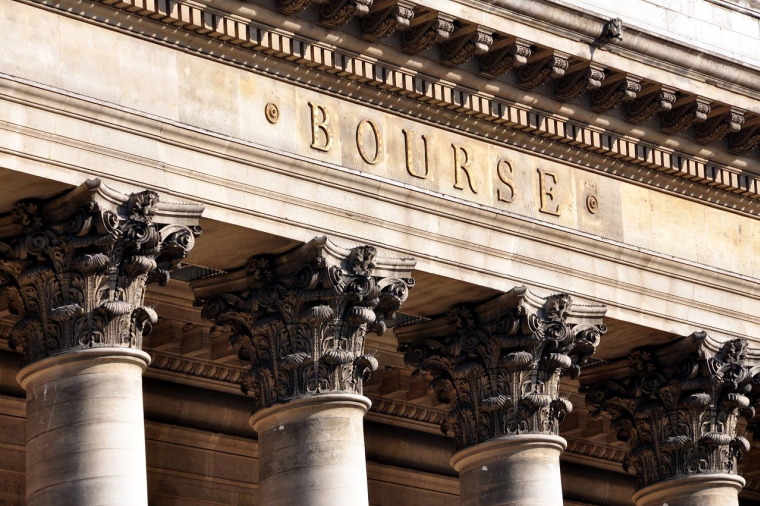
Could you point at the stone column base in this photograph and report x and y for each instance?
(311, 451)
(85, 432)
(695, 490)
(516, 470)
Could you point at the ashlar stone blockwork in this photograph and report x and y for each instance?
(498, 365)
(681, 419)
(301, 318)
(75, 268)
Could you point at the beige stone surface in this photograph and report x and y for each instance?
(696, 490)
(85, 437)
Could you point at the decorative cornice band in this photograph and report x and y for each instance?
(260, 38)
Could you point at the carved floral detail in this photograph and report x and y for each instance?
(501, 377)
(719, 125)
(572, 86)
(502, 60)
(745, 140)
(648, 106)
(540, 71)
(385, 22)
(303, 332)
(464, 48)
(684, 116)
(423, 36)
(339, 12)
(610, 96)
(682, 420)
(78, 280)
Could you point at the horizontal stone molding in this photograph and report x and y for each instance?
(249, 35)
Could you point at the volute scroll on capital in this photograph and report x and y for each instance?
(74, 268)
(679, 407)
(498, 364)
(301, 318)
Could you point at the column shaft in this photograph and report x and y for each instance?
(696, 490)
(518, 470)
(85, 429)
(311, 452)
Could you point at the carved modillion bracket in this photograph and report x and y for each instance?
(425, 30)
(685, 112)
(721, 121)
(542, 66)
(615, 90)
(293, 6)
(466, 43)
(652, 100)
(339, 12)
(503, 55)
(577, 80)
(746, 139)
(386, 17)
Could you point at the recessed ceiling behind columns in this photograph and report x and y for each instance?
(15, 186)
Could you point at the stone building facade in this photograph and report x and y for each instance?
(379, 252)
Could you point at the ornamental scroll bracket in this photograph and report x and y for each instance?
(301, 318)
(679, 407)
(74, 268)
(386, 17)
(498, 364)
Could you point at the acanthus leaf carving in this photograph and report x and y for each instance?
(461, 49)
(717, 126)
(680, 420)
(501, 60)
(293, 6)
(498, 365)
(574, 84)
(385, 21)
(538, 72)
(648, 106)
(611, 95)
(301, 319)
(334, 13)
(428, 31)
(681, 117)
(76, 269)
(746, 139)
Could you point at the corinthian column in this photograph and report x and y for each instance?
(301, 320)
(74, 270)
(498, 367)
(680, 415)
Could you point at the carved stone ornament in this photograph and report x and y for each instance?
(681, 117)
(745, 140)
(680, 420)
(425, 34)
(501, 60)
(293, 6)
(74, 268)
(382, 22)
(498, 365)
(573, 85)
(717, 126)
(459, 50)
(334, 13)
(613, 30)
(301, 318)
(648, 106)
(611, 95)
(538, 72)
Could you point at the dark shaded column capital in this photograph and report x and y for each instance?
(498, 364)
(301, 318)
(74, 268)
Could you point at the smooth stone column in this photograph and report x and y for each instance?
(85, 441)
(311, 451)
(696, 490)
(514, 470)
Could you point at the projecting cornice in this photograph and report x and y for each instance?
(643, 98)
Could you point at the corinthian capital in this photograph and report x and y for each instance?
(301, 318)
(74, 268)
(680, 414)
(498, 365)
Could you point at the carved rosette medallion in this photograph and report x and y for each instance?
(498, 365)
(424, 35)
(682, 117)
(339, 12)
(301, 319)
(573, 85)
(610, 96)
(502, 60)
(74, 269)
(538, 73)
(648, 106)
(680, 420)
(462, 49)
(384, 22)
